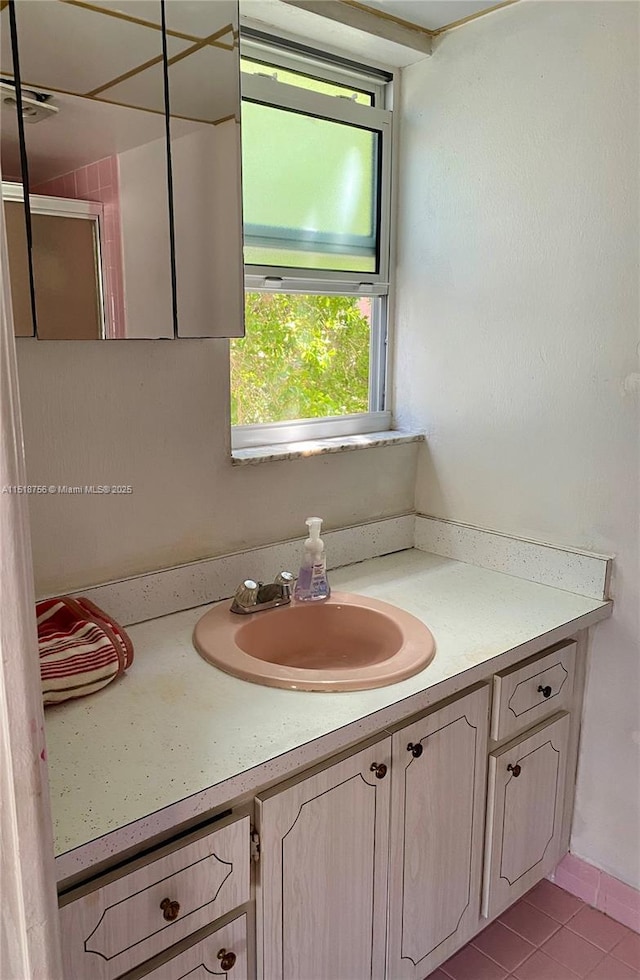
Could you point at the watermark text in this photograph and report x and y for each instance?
(52, 489)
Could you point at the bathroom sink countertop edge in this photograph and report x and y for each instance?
(175, 737)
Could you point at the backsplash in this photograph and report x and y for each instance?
(563, 568)
(169, 590)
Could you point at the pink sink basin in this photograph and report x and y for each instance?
(347, 643)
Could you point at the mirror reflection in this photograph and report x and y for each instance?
(204, 101)
(95, 133)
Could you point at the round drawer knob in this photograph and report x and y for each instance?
(170, 910)
(380, 769)
(516, 770)
(544, 691)
(227, 959)
(415, 749)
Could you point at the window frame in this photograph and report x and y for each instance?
(377, 117)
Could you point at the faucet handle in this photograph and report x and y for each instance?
(247, 593)
(287, 581)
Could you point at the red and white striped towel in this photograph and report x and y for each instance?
(81, 648)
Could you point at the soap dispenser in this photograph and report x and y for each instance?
(312, 583)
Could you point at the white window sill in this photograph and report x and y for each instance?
(317, 447)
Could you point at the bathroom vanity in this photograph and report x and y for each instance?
(206, 825)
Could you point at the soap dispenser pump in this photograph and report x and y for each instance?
(312, 583)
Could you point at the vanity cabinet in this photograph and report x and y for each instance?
(368, 866)
(531, 730)
(322, 876)
(524, 817)
(323, 892)
(437, 817)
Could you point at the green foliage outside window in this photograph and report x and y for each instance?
(303, 357)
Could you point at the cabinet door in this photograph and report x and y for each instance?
(524, 816)
(438, 792)
(321, 894)
(221, 954)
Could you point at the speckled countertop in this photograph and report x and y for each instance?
(176, 737)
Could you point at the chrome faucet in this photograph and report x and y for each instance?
(253, 596)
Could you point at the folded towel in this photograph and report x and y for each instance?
(81, 648)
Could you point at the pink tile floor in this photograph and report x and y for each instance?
(548, 935)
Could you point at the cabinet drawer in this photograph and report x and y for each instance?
(532, 691)
(223, 953)
(119, 922)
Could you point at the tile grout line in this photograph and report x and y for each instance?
(519, 934)
(493, 960)
(501, 966)
(584, 905)
(536, 947)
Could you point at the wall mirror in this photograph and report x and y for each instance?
(134, 213)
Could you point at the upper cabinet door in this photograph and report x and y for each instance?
(204, 105)
(437, 810)
(98, 81)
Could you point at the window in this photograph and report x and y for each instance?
(316, 165)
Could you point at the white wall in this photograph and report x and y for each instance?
(155, 414)
(518, 326)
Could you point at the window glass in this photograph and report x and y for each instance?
(310, 191)
(316, 174)
(302, 80)
(303, 356)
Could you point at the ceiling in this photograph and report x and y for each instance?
(111, 51)
(104, 75)
(431, 15)
(389, 33)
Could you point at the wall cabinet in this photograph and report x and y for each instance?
(370, 865)
(135, 111)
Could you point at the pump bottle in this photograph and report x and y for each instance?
(312, 583)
